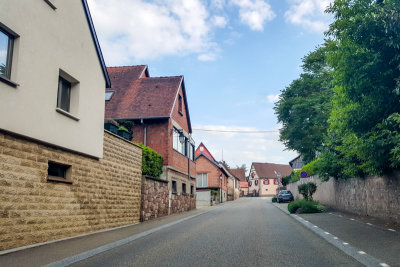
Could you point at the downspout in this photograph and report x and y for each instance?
(145, 132)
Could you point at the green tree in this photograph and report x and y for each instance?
(363, 136)
(303, 108)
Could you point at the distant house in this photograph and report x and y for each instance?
(239, 173)
(212, 178)
(244, 188)
(265, 178)
(233, 183)
(297, 163)
(158, 109)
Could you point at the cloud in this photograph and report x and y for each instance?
(242, 148)
(220, 21)
(309, 14)
(273, 98)
(133, 29)
(254, 13)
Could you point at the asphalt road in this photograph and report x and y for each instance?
(246, 232)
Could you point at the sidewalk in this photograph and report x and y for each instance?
(58, 250)
(367, 237)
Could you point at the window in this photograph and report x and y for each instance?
(7, 37)
(174, 187)
(184, 188)
(67, 95)
(64, 94)
(180, 104)
(202, 180)
(59, 172)
(109, 94)
(192, 190)
(276, 181)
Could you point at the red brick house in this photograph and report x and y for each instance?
(212, 178)
(158, 108)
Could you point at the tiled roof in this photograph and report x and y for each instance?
(267, 170)
(239, 173)
(244, 184)
(147, 97)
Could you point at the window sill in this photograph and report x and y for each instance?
(69, 115)
(175, 193)
(8, 81)
(57, 179)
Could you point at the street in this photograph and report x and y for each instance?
(246, 232)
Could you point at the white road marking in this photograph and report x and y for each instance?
(344, 243)
(384, 264)
(392, 230)
(327, 233)
(362, 252)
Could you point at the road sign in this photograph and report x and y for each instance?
(303, 174)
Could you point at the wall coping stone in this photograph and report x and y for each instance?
(155, 179)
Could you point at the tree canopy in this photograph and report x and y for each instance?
(359, 127)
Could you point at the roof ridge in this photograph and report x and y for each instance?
(125, 66)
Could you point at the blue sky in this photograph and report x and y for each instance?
(236, 56)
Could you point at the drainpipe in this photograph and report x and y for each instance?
(145, 132)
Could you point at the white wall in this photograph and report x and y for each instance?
(203, 198)
(50, 41)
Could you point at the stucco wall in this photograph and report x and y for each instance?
(50, 41)
(203, 198)
(155, 200)
(373, 196)
(105, 193)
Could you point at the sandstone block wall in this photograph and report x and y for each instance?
(373, 196)
(155, 202)
(105, 192)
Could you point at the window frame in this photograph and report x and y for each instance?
(180, 105)
(203, 175)
(12, 36)
(174, 188)
(60, 100)
(66, 178)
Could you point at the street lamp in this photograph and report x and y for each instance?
(181, 137)
(220, 193)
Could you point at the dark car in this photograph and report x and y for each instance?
(284, 195)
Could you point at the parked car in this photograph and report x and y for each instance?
(284, 195)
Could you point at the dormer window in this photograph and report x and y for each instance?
(109, 94)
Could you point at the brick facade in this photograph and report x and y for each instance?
(105, 192)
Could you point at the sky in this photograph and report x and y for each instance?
(236, 57)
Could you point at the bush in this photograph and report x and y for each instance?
(307, 190)
(274, 199)
(305, 206)
(152, 162)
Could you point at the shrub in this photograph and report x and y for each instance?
(307, 190)
(305, 206)
(152, 162)
(274, 199)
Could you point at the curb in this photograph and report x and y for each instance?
(353, 252)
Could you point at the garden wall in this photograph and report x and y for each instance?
(372, 196)
(104, 193)
(155, 200)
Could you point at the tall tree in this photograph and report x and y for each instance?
(303, 107)
(363, 136)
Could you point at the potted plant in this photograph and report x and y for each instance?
(111, 125)
(124, 133)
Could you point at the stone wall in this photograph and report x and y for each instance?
(373, 196)
(181, 203)
(155, 200)
(104, 193)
